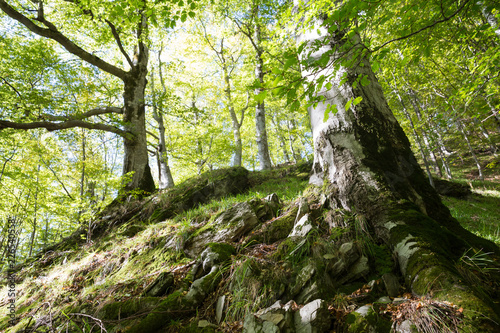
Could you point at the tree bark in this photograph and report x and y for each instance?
(416, 108)
(136, 154)
(363, 164)
(417, 139)
(463, 130)
(279, 131)
(260, 110)
(165, 174)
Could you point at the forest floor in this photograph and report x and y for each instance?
(74, 286)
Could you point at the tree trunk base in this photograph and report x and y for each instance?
(435, 259)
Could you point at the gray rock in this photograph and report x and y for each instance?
(365, 310)
(219, 310)
(273, 202)
(359, 269)
(252, 324)
(302, 227)
(205, 323)
(349, 253)
(311, 292)
(399, 300)
(303, 278)
(312, 318)
(405, 327)
(303, 209)
(384, 300)
(229, 226)
(337, 268)
(160, 286)
(391, 283)
(203, 286)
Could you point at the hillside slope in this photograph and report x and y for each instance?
(209, 254)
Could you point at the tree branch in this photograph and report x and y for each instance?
(119, 43)
(11, 86)
(53, 33)
(51, 126)
(88, 114)
(424, 28)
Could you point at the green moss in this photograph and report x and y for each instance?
(128, 308)
(382, 259)
(173, 307)
(224, 250)
(281, 227)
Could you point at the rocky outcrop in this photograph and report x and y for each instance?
(233, 224)
(311, 318)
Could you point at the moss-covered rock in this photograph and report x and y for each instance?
(128, 308)
(366, 320)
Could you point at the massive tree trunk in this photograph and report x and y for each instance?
(136, 152)
(363, 164)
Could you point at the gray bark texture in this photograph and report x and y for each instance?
(134, 116)
(363, 163)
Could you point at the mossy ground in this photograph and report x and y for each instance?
(115, 268)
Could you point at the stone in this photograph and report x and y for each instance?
(349, 253)
(451, 189)
(229, 226)
(314, 317)
(303, 278)
(399, 300)
(252, 324)
(273, 202)
(366, 320)
(201, 287)
(381, 303)
(205, 323)
(359, 269)
(311, 292)
(160, 285)
(302, 227)
(219, 309)
(391, 283)
(405, 327)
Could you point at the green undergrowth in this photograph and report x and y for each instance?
(120, 264)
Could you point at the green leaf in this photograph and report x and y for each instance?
(260, 97)
(191, 14)
(357, 100)
(290, 60)
(348, 105)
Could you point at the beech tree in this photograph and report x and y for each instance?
(120, 27)
(363, 162)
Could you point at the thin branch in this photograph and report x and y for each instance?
(153, 135)
(119, 43)
(53, 33)
(88, 114)
(424, 28)
(7, 82)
